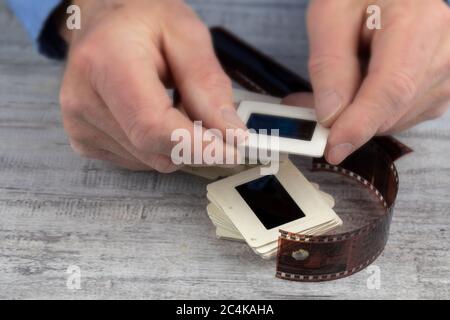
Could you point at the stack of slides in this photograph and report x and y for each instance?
(253, 208)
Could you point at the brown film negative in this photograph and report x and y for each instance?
(322, 258)
(327, 257)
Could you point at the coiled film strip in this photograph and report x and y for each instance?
(332, 257)
(320, 258)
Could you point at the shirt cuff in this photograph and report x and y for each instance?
(36, 18)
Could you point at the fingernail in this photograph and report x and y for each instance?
(232, 119)
(338, 153)
(328, 105)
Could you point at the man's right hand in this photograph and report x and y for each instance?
(113, 97)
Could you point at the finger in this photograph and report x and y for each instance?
(100, 117)
(205, 89)
(429, 106)
(334, 30)
(400, 55)
(85, 134)
(105, 155)
(86, 116)
(93, 143)
(301, 99)
(430, 114)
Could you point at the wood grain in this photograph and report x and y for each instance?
(146, 235)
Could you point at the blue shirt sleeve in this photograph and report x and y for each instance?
(35, 16)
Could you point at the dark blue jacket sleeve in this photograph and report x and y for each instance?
(36, 18)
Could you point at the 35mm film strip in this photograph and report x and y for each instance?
(320, 258)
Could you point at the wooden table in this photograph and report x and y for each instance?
(147, 235)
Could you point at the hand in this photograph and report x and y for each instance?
(113, 96)
(406, 80)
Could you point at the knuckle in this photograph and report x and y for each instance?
(81, 149)
(88, 56)
(70, 103)
(208, 75)
(360, 129)
(404, 85)
(356, 134)
(142, 132)
(214, 79)
(383, 112)
(199, 29)
(387, 126)
(85, 151)
(435, 113)
(165, 167)
(317, 9)
(162, 165)
(77, 134)
(363, 129)
(398, 92)
(317, 64)
(84, 54)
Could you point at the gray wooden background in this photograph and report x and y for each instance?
(146, 235)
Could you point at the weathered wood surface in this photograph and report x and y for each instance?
(146, 235)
